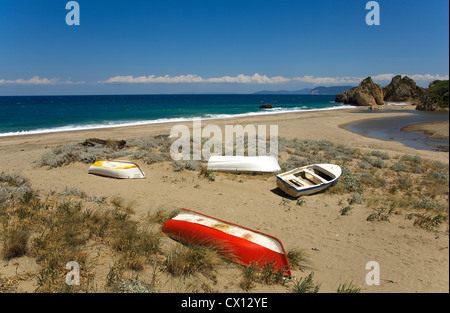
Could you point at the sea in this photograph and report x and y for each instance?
(23, 115)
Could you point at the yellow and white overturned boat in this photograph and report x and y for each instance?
(117, 169)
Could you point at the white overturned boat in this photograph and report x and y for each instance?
(116, 169)
(247, 164)
(309, 179)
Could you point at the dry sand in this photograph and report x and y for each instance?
(411, 259)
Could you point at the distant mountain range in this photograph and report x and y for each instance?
(307, 91)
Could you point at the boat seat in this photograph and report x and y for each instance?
(321, 179)
(297, 182)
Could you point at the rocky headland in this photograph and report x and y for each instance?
(400, 89)
(366, 94)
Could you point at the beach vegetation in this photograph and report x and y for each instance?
(15, 188)
(187, 260)
(270, 275)
(83, 195)
(115, 274)
(366, 160)
(380, 215)
(306, 285)
(77, 152)
(404, 183)
(161, 216)
(400, 167)
(356, 198)
(411, 159)
(346, 210)
(379, 154)
(438, 91)
(190, 165)
(378, 163)
(15, 242)
(365, 165)
(266, 275)
(429, 221)
(348, 288)
(133, 286)
(440, 175)
(352, 182)
(55, 228)
(428, 204)
(298, 259)
(248, 278)
(205, 173)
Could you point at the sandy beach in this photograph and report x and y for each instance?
(438, 130)
(411, 259)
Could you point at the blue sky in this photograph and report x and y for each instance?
(213, 46)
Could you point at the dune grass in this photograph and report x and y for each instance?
(400, 181)
(57, 228)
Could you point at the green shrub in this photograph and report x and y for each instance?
(306, 285)
(399, 167)
(346, 210)
(348, 288)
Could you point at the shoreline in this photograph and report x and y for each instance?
(436, 130)
(263, 112)
(260, 113)
(394, 129)
(332, 127)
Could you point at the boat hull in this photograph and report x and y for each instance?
(245, 164)
(239, 244)
(117, 169)
(285, 183)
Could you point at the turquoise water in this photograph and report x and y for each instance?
(43, 114)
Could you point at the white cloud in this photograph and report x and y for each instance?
(256, 78)
(36, 80)
(356, 80)
(155, 79)
(415, 77)
(239, 79)
(428, 77)
(264, 79)
(328, 80)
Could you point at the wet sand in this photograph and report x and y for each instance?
(419, 130)
(436, 130)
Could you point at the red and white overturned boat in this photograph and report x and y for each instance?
(239, 244)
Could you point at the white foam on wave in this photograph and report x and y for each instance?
(276, 111)
(168, 120)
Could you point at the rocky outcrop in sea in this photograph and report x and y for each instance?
(366, 94)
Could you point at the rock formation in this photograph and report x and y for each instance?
(266, 106)
(367, 94)
(435, 98)
(402, 90)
